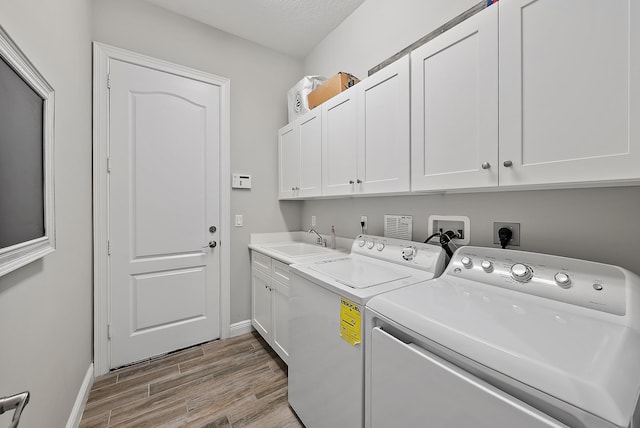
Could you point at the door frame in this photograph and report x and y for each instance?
(102, 54)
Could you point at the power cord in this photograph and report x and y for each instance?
(446, 238)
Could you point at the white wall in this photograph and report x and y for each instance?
(45, 307)
(377, 30)
(259, 78)
(599, 224)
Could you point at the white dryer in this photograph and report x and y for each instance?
(326, 327)
(507, 339)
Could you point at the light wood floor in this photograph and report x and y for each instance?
(231, 383)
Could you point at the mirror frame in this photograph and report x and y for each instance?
(20, 254)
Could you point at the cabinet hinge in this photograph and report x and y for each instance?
(109, 331)
(108, 248)
(109, 81)
(108, 164)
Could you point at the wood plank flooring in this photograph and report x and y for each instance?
(233, 383)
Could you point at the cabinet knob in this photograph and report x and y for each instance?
(507, 163)
(351, 181)
(486, 165)
(359, 181)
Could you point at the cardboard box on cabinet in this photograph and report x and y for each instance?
(331, 88)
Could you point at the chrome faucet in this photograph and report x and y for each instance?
(320, 241)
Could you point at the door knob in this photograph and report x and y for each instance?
(212, 244)
(486, 165)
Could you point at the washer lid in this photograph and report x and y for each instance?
(357, 273)
(588, 360)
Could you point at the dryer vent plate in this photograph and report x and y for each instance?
(398, 226)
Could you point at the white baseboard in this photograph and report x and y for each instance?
(81, 399)
(240, 328)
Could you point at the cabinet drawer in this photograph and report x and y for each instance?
(261, 262)
(280, 272)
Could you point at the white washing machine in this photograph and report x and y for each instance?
(326, 327)
(507, 339)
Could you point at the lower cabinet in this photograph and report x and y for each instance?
(270, 301)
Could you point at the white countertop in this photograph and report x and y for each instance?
(297, 247)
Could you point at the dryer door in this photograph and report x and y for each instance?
(411, 387)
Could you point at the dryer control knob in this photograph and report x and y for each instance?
(521, 272)
(370, 244)
(467, 262)
(562, 279)
(487, 266)
(408, 253)
(380, 246)
(361, 243)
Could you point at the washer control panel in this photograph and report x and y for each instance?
(414, 254)
(579, 282)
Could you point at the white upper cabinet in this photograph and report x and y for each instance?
(339, 153)
(454, 107)
(383, 130)
(310, 128)
(300, 157)
(288, 160)
(569, 91)
(525, 93)
(365, 147)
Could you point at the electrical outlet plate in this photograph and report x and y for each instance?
(363, 219)
(442, 223)
(515, 228)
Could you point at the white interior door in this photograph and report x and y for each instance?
(163, 198)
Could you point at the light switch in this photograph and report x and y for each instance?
(238, 220)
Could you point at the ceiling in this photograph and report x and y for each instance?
(293, 27)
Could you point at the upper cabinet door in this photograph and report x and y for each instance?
(289, 161)
(339, 134)
(383, 130)
(569, 91)
(454, 107)
(310, 132)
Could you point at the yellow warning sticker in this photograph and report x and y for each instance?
(350, 321)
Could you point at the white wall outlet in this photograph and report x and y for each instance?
(458, 224)
(313, 221)
(238, 220)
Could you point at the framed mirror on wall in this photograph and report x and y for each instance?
(27, 220)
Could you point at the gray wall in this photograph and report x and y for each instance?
(45, 307)
(259, 78)
(377, 30)
(599, 224)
